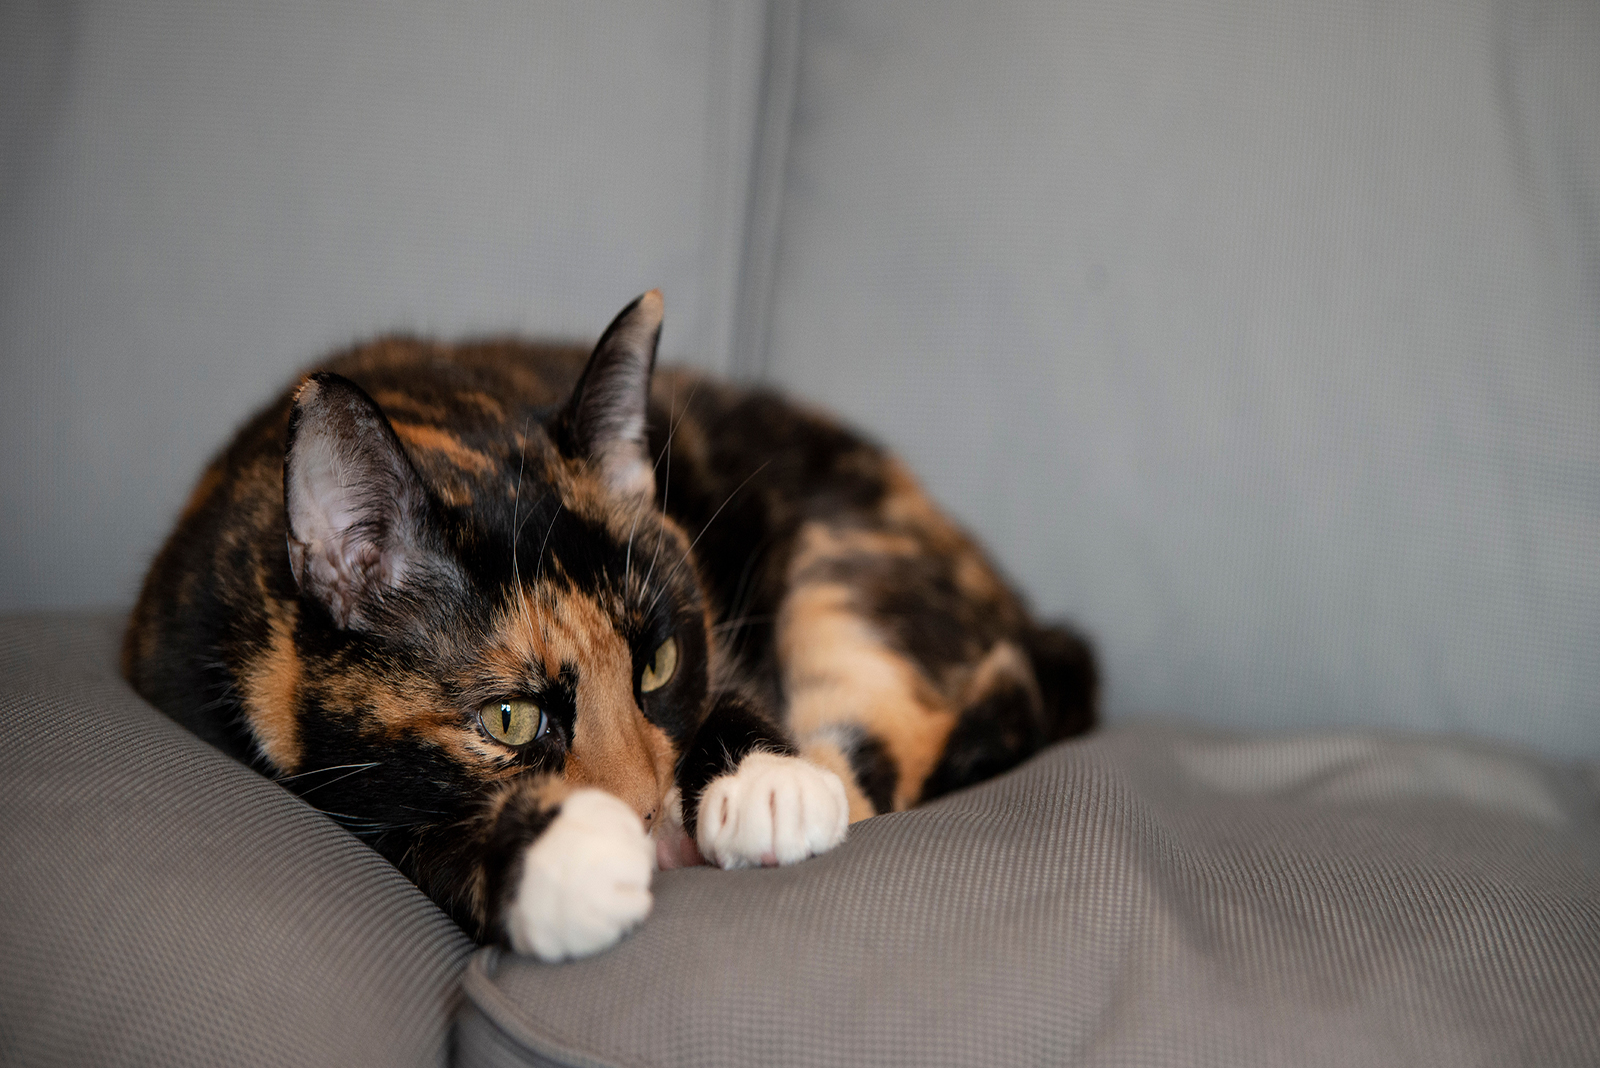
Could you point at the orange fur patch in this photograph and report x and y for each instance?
(490, 407)
(613, 746)
(818, 544)
(271, 687)
(1004, 666)
(447, 444)
(837, 672)
(393, 401)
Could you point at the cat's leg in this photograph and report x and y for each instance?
(855, 702)
(585, 882)
(558, 872)
(860, 705)
(909, 668)
(748, 800)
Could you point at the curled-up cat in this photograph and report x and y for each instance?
(534, 625)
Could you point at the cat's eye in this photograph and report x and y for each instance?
(659, 671)
(515, 721)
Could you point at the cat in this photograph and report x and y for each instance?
(535, 620)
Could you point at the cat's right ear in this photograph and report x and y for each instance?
(352, 500)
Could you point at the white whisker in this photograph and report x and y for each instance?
(687, 552)
(516, 529)
(358, 770)
(331, 767)
(627, 563)
(539, 574)
(666, 486)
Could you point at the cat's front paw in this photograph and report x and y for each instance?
(585, 881)
(771, 810)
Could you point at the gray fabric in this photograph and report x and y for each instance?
(1152, 896)
(163, 905)
(197, 199)
(769, 163)
(1263, 336)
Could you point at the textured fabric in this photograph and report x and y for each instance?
(198, 199)
(162, 905)
(1262, 336)
(1151, 896)
(769, 158)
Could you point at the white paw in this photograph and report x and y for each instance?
(585, 880)
(772, 810)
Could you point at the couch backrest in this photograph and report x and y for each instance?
(197, 199)
(1262, 337)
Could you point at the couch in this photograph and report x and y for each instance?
(1261, 339)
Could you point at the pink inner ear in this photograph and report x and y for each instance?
(352, 499)
(324, 512)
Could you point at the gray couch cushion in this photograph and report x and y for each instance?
(1263, 336)
(1149, 897)
(161, 904)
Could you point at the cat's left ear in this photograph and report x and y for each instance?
(603, 422)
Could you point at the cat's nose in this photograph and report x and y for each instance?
(635, 785)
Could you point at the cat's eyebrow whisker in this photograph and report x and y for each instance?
(677, 417)
(653, 557)
(627, 564)
(539, 572)
(687, 552)
(745, 591)
(666, 487)
(516, 528)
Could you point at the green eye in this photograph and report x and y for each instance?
(659, 671)
(512, 722)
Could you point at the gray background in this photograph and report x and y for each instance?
(1261, 337)
(200, 198)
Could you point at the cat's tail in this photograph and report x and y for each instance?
(1002, 722)
(1069, 679)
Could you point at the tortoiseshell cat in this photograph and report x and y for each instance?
(533, 626)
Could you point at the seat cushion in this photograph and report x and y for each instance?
(1151, 896)
(164, 905)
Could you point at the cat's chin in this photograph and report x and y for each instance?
(772, 810)
(677, 850)
(674, 846)
(585, 881)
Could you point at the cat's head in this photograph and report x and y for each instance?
(550, 620)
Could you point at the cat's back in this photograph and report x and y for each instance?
(460, 410)
(469, 386)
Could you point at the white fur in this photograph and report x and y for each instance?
(771, 810)
(585, 880)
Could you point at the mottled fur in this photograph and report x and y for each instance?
(510, 528)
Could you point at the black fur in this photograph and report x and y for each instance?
(732, 730)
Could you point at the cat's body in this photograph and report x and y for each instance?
(505, 614)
